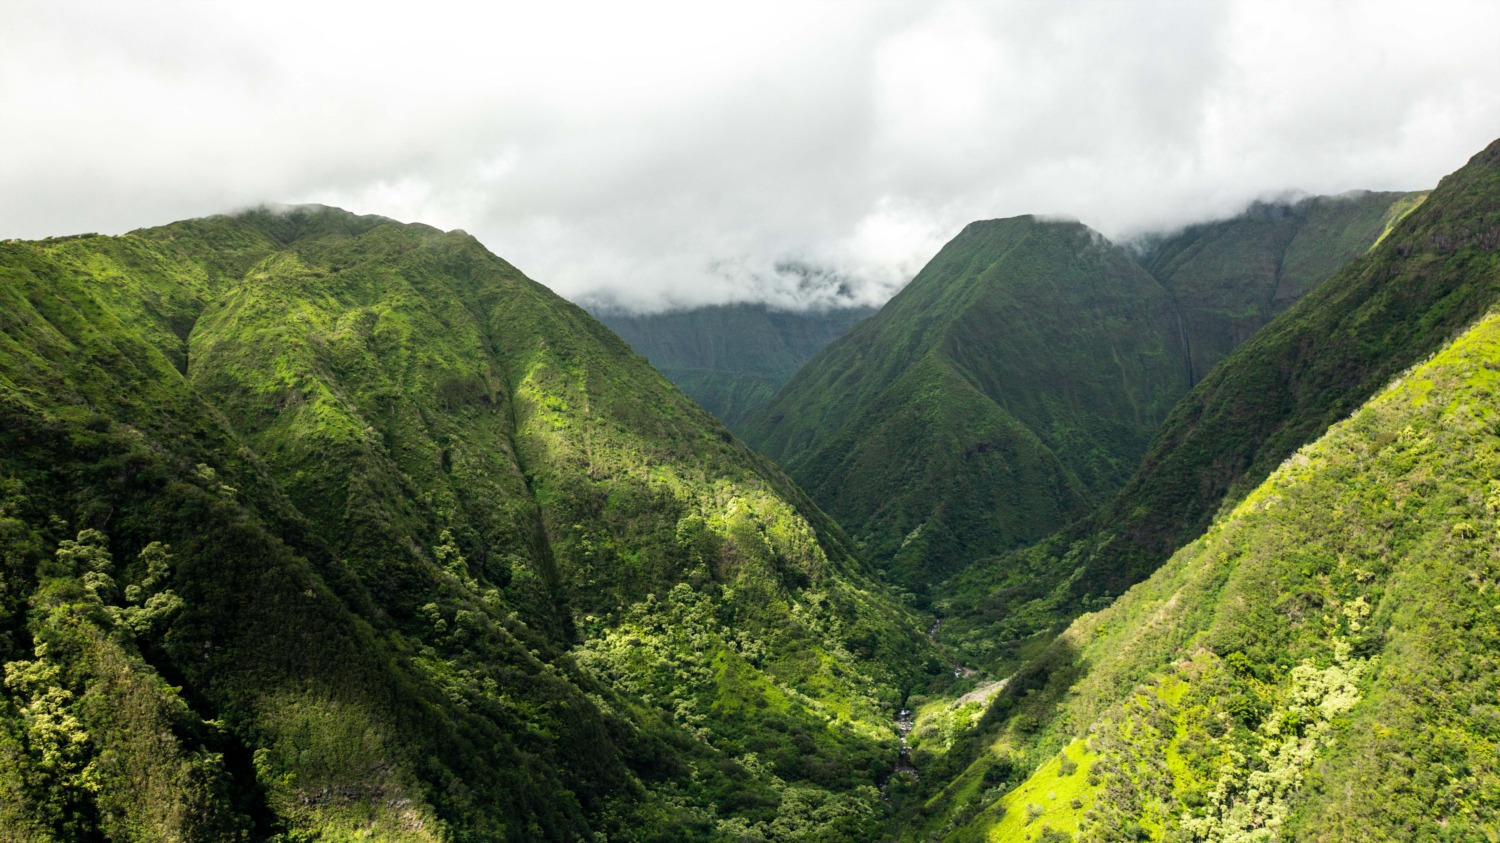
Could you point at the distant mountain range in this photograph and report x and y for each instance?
(1008, 388)
(731, 358)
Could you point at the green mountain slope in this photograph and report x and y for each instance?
(1012, 384)
(731, 358)
(1436, 271)
(1232, 276)
(1322, 664)
(327, 526)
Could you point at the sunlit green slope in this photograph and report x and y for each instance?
(731, 358)
(1013, 383)
(325, 526)
(1322, 664)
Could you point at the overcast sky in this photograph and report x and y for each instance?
(686, 153)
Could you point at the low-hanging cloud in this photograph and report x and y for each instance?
(659, 155)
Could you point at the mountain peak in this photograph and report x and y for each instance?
(1028, 353)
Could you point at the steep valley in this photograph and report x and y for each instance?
(1430, 276)
(319, 526)
(1330, 637)
(1315, 628)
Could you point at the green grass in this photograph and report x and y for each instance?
(1053, 792)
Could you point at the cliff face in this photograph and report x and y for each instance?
(1233, 276)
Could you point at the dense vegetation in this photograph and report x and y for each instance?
(1434, 273)
(322, 526)
(317, 526)
(1323, 663)
(1005, 390)
(731, 358)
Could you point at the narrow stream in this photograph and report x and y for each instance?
(906, 718)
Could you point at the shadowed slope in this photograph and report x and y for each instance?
(1011, 385)
(1230, 277)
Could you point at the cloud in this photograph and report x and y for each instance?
(666, 154)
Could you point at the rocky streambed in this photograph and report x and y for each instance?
(905, 720)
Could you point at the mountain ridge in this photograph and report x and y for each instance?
(990, 312)
(1212, 285)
